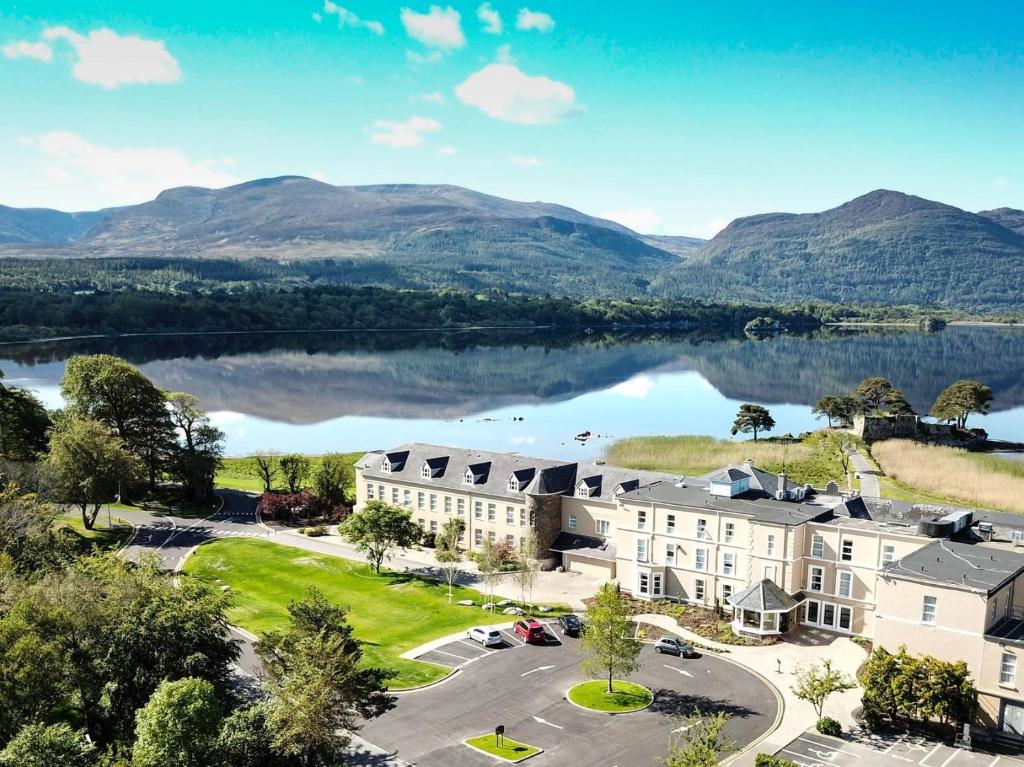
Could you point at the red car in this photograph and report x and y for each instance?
(531, 631)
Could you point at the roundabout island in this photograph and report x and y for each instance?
(623, 698)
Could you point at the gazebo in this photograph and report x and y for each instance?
(762, 608)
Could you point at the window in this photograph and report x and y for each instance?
(726, 591)
(421, 523)
(478, 509)
(670, 523)
(425, 471)
(582, 491)
(478, 536)
(844, 587)
(888, 554)
(700, 559)
(380, 492)
(460, 506)
(641, 549)
(603, 526)
(510, 540)
(522, 517)
(510, 515)
(467, 478)
(845, 618)
(420, 500)
(816, 579)
(492, 536)
(492, 512)
(846, 551)
(407, 498)
(817, 546)
(394, 495)
(812, 612)
(702, 529)
(433, 502)
(433, 525)
(573, 522)
(928, 605)
(730, 531)
(656, 582)
(670, 553)
(728, 563)
(1008, 669)
(645, 583)
(641, 520)
(698, 589)
(828, 614)
(513, 484)
(770, 545)
(369, 492)
(447, 504)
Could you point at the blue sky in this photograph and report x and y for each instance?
(674, 117)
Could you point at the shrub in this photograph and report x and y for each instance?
(287, 506)
(770, 760)
(829, 726)
(314, 532)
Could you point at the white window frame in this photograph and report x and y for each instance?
(700, 589)
(510, 515)
(641, 550)
(1008, 670)
(670, 553)
(394, 496)
(573, 522)
(702, 530)
(670, 523)
(603, 526)
(421, 500)
(844, 576)
(730, 532)
(478, 536)
(513, 484)
(888, 554)
(700, 560)
(929, 609)
(433, 501)
(641, 520)
(478, 509)
(643, 583)
(467, 477)
(492, 512)
(369, 491)
(820, 572)
(447, 504)
(510, 540)
(460, 506)
(425, 471)
(846, 550)
(728, 563)
(770, 545)
(407, 497)
(657, 584)
(817, 545)
(522, 517)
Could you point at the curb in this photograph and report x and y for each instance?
(538, 752)
(436, 683)
(775, 724)
(571, 702)
(131, 538)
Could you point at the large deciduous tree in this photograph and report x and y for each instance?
(872, 393)
(201, 445)
(319, 690)
(39, 745)
(379, 527)
(24, 424)
(266, 466)
(90, 467)
(178, 726)
(699, 741)
(330, 482)
(961, 399)
(609, 636)
(294, 468)
(835, 408)
(752, 419)
(447, 551)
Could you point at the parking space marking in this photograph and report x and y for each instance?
(515, 639)
(952, 756)
(928, 756)
(470, 643)
(453, 655)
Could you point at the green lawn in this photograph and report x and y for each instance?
(511, 750)
(102, 535)
(240, 473)
(391, 612)
(624, 697)
(170, 501)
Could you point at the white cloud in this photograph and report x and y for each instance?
(504, 92)
(347, 19)
(25, 49)
(504, 54)
(434, 97)
(318, 175)
(643, 220)
(225, 417)
(123, 175)
(525, 161)
(317, 17)
(527, 19)
(432, 57)
(402, 135)
(491, 19)
(1001, 182)
(438, 28)
(446, 151)
(108, 59)
(635, 388)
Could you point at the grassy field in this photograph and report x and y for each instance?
(390, 612)
(510, 750)
(624, 697)
(812, 460)
(919, 472)
(102, 535)
(240, 473)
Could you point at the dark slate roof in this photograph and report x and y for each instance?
(967, 566)
(729, 475)
(524, 475)
(763, 597)
(584, 545)
(397, 458)
(437, 465)
(480, 471)
(554, 480)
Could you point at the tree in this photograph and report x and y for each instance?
(838, 408)
(246, 739)
(178, 727)
(897, 404)
(202, 445)
(27, 530)
(90, 466)
(817, 683)
(448, 553)
(287, 507)
(39, 745)
(529, 565)
(318, 687)
(331, 479)
(960, 399)
(377, 528)
(24, 424)
(107, 389)
(489, 561)
(609, 636)
(294, 468)
(699, 741)
(872, 393)
(752, 418)
(266, 469)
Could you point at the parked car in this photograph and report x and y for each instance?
(530, 630)
(674, 646)
(488, 637)
(570, 624)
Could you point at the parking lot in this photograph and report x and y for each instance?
(812, 749)
(461, 652)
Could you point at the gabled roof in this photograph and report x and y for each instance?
(437, 465)
(764, 596)
(397, 459)
(479, 471)
(524, 475)
(554, 480)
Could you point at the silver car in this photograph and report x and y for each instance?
(674, 646)
(488, 637)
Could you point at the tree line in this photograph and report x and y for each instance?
(878, 396)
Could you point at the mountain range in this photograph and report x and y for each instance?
(883, 247)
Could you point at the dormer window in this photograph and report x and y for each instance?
(385, 464)
(467, 478)
(425, 471)
(513, 484)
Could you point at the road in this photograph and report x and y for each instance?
(867, 475)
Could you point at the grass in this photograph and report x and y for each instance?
(102, 535)
(510, 750)
(812, 460)
(240, 473)
(170, 501)
(624, 697)
(919, 472)
(391, 612)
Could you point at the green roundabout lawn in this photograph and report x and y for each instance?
(624, 697)
(512, 750)
(391, 612)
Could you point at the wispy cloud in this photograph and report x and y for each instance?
(446, 151)
(433, 97)
(402, 135)
(535, 20)
(643, 220)
(25, 49)
(490, 19)
(439, 28)
(347, 19)
(504, 92)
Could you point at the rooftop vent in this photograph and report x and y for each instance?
(935, 528)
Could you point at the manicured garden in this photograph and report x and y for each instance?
(390, 612)
(624, 697)
(508, 749)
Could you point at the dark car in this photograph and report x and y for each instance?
(570, 624)
(674, 646)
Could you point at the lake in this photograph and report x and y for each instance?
(529, 391)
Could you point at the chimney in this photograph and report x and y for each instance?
(780, 491)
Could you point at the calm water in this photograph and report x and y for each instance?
(531, 392)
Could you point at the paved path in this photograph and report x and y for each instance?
(867, 474)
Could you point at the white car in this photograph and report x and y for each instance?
(486, 636)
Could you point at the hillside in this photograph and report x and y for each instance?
(883, 247)
(1009, 217)
(43, 226)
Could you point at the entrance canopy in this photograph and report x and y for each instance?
(761, 608)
